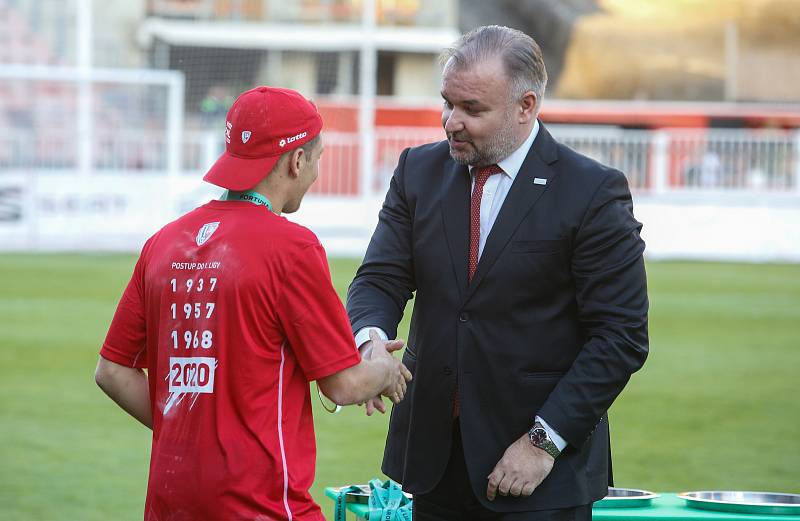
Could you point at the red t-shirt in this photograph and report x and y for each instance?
(232, 311)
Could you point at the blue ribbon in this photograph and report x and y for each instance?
(340, 505)
(248, 195)
(386, 502)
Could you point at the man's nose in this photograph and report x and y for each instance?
(452, 122)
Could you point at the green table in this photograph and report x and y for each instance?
(663, 508)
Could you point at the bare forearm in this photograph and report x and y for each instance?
(358, 383)
(128, 387)
(377, 373)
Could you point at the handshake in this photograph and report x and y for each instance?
(378, 374)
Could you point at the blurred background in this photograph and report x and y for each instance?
(111, 111)
(118, 107)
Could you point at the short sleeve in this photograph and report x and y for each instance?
(314, 318)
(125, 341)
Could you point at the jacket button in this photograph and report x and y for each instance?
(447, 371)
(463, 317)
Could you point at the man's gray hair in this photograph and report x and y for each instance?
(520, 53)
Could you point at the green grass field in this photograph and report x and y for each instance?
(717, 405)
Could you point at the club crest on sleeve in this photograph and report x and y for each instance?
(205, 233)
(246, 136)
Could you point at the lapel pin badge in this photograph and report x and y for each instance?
(539, 181)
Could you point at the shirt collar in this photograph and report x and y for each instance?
(513, 162)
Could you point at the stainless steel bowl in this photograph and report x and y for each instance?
(743, 502)
(626, 498)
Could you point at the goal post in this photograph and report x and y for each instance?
(150, 99)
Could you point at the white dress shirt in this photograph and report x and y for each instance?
(494, 194)
(497, 186)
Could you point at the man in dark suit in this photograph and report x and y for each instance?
(531, 300)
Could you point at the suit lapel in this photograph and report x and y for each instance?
(455, 214)
(521, 198)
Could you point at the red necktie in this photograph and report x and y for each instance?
(482, 175)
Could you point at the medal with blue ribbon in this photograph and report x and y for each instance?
(387, 502)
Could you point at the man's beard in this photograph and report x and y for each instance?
(497, 148)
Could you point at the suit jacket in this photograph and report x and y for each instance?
(553, 323)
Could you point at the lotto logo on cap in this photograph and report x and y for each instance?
(265, 123)
(283, 142)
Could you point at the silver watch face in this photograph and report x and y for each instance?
(538, 436)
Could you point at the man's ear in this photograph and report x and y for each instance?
(527, 106)
(296, 160)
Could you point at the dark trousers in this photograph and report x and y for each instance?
(453, 499)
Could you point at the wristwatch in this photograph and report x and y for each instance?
(539, 438)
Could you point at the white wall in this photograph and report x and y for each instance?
(113, 212)
(697, 226)
(720, 226)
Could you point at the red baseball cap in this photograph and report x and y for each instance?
(262, 124)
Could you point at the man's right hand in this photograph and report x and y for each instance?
(378, 373)
(380, 351)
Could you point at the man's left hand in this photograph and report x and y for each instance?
(375, 404)
(521, 469)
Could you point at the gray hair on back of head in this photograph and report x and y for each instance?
(521, 55)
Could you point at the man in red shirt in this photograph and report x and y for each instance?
(232, 312)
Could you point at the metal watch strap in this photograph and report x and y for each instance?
(539, 438)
